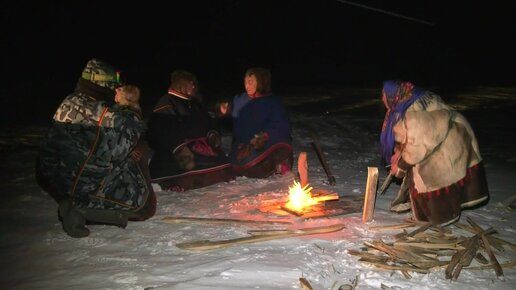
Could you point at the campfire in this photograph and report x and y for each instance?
(300, 199)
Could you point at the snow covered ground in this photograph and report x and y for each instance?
(37, 254)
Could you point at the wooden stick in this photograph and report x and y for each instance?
(305, 284)
(401, 268)
(391, 227)
(498, 269)
(452, 246)
(491, 238)
(370, 194)
(327, 197)
(211, 245)
(320, 155)
(179, 220)
(509, 264)
(302, 169)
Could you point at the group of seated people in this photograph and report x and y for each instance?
(99, 158)
(186, 143)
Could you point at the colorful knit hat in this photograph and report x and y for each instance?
(102, 74)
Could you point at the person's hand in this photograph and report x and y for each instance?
(136, 154)
(399, 167)
(259, 140)
(213, 139)
(185, 158)
(244, 151)
(223, 108)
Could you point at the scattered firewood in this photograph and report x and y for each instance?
(420, 261)
(462, 258)
(426, 248)
(211, 245)
(305, 284)
(481, 259)
(487, 246)
(490, 266)
(178, 220)
(496, 242)
(391, 227)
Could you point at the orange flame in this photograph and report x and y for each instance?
(299, 198)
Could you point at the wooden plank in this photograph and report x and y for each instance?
(305, 284)
(179, 220)
(498, 269)
(211, 245)
(302, 169)
(370, 194)
(391, 227)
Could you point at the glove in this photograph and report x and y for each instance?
(185, 158)
(244, 151)
(259, 140)
(213, 139)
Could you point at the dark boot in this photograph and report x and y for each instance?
(401, 203)
(72, 220)
(105, 216)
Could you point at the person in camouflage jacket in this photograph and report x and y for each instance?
(87, 162)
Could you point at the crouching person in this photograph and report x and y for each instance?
(91, 161)
(434, 150)
(186, 145)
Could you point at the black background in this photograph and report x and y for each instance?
(45, 45)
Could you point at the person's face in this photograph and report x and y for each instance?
(118, 95)
(250, 84)
(190, 88)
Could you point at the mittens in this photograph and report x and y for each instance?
(185, 158)
(213, 139)
(257, 143)
(244, 151)
(259, 140)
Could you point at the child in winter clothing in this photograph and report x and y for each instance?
(128, 95)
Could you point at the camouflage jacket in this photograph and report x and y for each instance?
(86, 154)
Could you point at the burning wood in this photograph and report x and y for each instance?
(300, 199)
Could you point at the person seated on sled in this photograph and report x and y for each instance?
(186, 143)
(434, 150)
(262, 142)
(86, 161)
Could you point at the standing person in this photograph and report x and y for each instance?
(434, 150)
(85, 162)
(261, 144)
(187, 146)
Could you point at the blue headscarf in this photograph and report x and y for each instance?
(397, 97)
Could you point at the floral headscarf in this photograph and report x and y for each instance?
(397, 96)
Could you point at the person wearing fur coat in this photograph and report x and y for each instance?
(433, 149)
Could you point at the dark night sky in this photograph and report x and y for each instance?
(311, 42)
